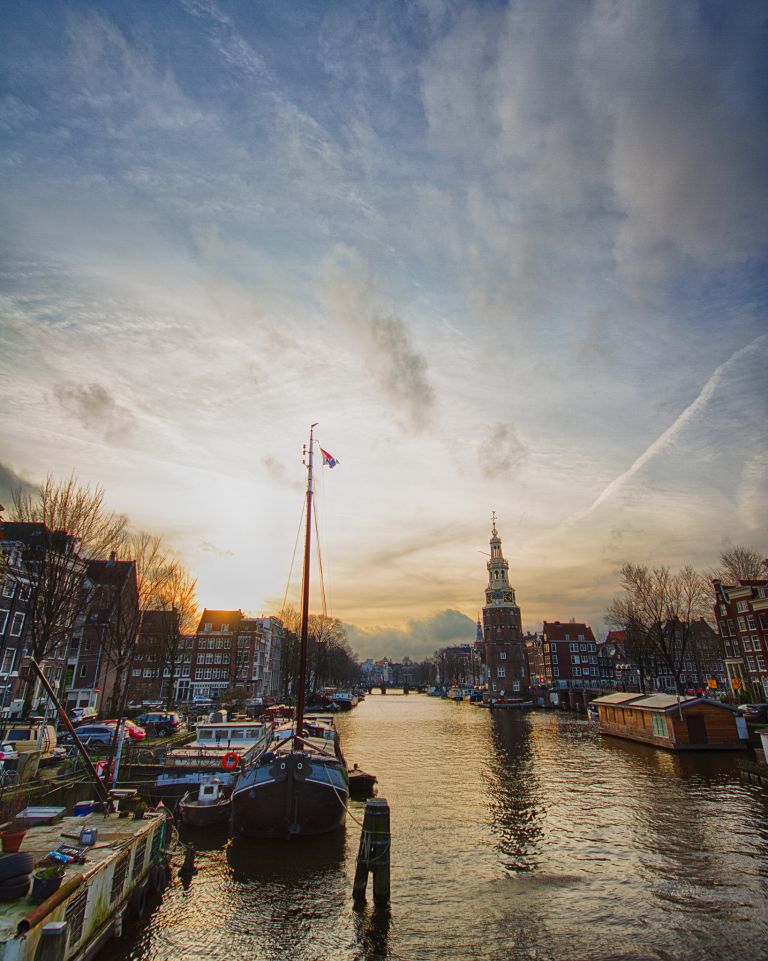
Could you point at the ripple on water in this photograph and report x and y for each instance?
(513, 837)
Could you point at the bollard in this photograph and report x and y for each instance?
(53, 942)
(373, 854)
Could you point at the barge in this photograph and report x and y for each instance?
(670, 721)
(126, 864)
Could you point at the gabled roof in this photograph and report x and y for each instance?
(556, 631)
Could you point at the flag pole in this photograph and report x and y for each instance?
(301, 697)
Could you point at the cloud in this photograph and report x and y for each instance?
(419, 639)
(213, 549)
(11, 481)
(501, 453)
(97, 410)
(399, 367)
(668, 437)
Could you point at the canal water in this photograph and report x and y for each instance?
(513, 837)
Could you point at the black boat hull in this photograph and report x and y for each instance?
(294, 795)
(196, 815)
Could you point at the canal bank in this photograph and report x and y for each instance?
(514, 836)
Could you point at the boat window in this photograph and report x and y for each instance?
(237, 734)
(206, 734)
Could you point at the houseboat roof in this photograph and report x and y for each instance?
(618, 697)
(660, 702)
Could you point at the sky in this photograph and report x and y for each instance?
(509, 256)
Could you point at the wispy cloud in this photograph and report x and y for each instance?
(97, 410)
(668, 437)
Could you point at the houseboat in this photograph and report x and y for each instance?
(113, 881)
(678, 723)
(220, 748)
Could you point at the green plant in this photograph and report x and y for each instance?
(54, 871)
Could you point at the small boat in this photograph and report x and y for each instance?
(345, 700)
(212, 806)
(511, 703)
(361, 784)
(455, 694)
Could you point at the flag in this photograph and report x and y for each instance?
(328, 459)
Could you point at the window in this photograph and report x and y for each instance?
(723, 610)
(24, 592)
(581, 637)
(8, 658)
(593, 647)
(731, 627)
(763, 618)
(741, 607)
(577, 672)
(554, 658)
(568, 637)
(207, 627)
(751, 664)
(3, 620)
(18, 622)
(503, 656)
(225, 628)
(751, 622)
(8, 587)
(501, 672)
(585, 672)
(746, 643)
(83, 670)
(659, 724)
(555, 672)
(575, 659)
(756, 643)
(572, 647)
(147, 672)
(760, 662)
(136, 672)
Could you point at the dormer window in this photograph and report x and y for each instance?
(207, 627)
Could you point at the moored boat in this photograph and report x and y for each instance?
(346, 700)
(211, 805)
(299, 786)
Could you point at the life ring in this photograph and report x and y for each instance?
(230, 761)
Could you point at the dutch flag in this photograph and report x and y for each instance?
(328, 459)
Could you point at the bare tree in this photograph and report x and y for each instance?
(59, 527)
(740, 564)
(658, 610)
(75, 508)
(176, 596)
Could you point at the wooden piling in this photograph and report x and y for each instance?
(373, 853)
(53, 943)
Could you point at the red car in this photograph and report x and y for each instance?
(133, 731)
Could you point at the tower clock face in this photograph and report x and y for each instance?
(496, 595)
(509, 596)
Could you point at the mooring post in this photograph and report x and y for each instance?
(373, 854)
(53, 942)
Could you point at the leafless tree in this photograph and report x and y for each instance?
(59, 526)
(658, 610)
(176, 596)
(740, 564)
(74, 508)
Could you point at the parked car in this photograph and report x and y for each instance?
(132, 729)
(160, 723)
(754, 712)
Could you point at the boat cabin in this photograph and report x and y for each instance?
(669, 721)
(213, 740)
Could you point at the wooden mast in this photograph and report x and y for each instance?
(301, 698)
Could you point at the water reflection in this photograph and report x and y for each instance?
(513, 836)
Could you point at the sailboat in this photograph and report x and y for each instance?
(299, 787)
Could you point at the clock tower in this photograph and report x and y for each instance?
(506, 662)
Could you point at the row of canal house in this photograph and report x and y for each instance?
(98, 629)
(566, 664)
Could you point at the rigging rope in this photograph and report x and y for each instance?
(293, 558)
(320, 564)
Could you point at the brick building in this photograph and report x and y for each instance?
(505, 662)
(568, 657)
(741, 611)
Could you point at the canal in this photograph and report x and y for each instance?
(513, 837)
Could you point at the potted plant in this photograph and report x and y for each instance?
(139, 811)
(46, 881)
(12, 836)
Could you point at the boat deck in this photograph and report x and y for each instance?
(115, 833)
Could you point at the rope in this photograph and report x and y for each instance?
(293, 558)
(320, 564)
